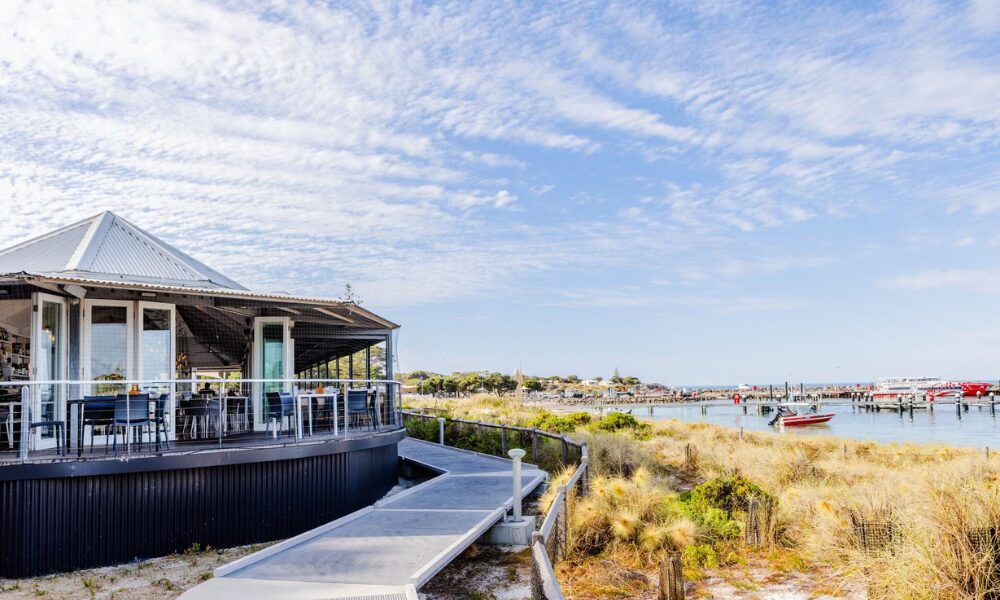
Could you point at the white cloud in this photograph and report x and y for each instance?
(958, 280)
(394, 145)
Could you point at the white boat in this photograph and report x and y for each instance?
(933, 387)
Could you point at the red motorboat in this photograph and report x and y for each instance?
(787, 417)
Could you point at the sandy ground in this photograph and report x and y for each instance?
(159, 578)
(483, 573)
(756, 581)
(761, 584)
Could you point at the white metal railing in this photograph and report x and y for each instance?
(550, 543)
(382, 402)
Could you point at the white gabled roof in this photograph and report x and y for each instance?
(106, 247)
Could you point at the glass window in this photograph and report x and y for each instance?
(273, 354)
(108, 346)
(156, 360)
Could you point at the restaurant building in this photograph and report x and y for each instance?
(260, 415)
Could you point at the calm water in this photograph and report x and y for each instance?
(976, 428)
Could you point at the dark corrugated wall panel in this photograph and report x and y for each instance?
(64, 524)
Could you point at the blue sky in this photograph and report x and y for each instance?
(693, 192)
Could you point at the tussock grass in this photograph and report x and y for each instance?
(903, 520)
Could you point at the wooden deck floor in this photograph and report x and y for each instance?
(389, 550)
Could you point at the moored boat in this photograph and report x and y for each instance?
(787, 417)
(891, 388)
(975, 388)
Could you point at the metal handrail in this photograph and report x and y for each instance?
(391, 391)
(581, 447)
(544, 583)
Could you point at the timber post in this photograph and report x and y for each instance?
(671, 579)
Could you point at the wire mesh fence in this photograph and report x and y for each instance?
(873, 535)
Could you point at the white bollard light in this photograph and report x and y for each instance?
(441, 430)
(516, 455)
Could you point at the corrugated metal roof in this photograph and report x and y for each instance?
(108, 251)
(50, 252)
(107, 246)
(123, 251)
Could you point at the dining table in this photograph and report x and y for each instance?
(305, 400)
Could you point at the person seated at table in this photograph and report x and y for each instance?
(206, 391)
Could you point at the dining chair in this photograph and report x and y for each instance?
(236, 413)
(358, 406)
(98, 411)
(131, 415)
(160, 420)
(205, 410)
(59, 429)
(279, 406)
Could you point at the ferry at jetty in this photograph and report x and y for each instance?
(932, 387)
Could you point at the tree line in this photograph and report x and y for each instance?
(462, 384)
(468, 383)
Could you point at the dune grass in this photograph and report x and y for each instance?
(901, 521)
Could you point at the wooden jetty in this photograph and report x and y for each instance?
(859, 401)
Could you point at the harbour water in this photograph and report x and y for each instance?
(977, 427)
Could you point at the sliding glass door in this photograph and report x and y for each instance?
(48, 357)
(155, 342)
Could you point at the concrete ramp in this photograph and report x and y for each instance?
(388, 550)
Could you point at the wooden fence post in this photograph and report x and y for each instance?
(503, 440)
(671, 579)
(752, 530)
(534, 445)
(565, 452)
(690, 454)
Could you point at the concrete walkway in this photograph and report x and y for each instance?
(388, 550)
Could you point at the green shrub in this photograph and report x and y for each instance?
(422, 429)
(616, 421)
(730, 494)
(700, 556)
(554, 423)
(714, 504)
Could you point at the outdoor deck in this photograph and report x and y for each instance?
(253, 440)
(388, 550)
